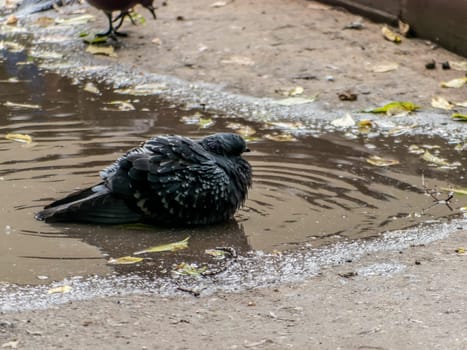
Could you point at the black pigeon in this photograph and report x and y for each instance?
(169, 179)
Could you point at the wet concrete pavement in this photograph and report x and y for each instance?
(193, 50)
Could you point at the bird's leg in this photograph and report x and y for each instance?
(110, 30)
(121, 17)
(152, 10)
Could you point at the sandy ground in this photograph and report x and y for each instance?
(255, 48)
(423, 305)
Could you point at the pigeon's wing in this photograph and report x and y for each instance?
(173, 178)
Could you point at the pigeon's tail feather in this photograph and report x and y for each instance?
(93, 205)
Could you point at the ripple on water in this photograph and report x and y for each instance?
(311, 192)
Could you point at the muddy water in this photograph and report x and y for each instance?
(310, 191)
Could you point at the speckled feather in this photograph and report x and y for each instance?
(169, 179)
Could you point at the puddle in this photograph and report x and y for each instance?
(311, 192)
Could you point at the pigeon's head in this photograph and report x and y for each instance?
(227, 144)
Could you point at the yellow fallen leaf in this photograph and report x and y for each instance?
(365, 125)
(44, 21)
(454, 83)
(390, 35)
(441, 103)
(404, 28)
(218, 4)
(344, 122)
(101, 50)
(240, 60)
(20, 105)
(292, 101)
(74, 20)
(460, 250)
(216, 253)
(11, 20)
(19, 138)
(166, 247)
(393, 108)
(460, 117)
(383, 68)
(378, 161)
(61, 289)
(459, 65)
(11, 344)
(124, 260)
(45, 55)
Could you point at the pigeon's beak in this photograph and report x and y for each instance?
(247, 150)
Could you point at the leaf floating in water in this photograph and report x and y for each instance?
(123, 106)
(205, 123)
(189, 269)
(19, 138)
(415, 149)
(365, 125)
(198, 119)
(280, 137)
(344, 122)
(166, 247)
(244, 130)
(20, 105)
(430, 158)
(125, 260)
(216, 253)
(390, 35)
(292, 101)
(61, 289)
(460, 117)
(90, 87)
(143, 89)
(378, 161)
(454, 83)
(441, 103)
(101, 50)
(393, 108)
(456, 191)
(11, 46)
(285, 125)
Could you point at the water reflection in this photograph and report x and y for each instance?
(312, 191)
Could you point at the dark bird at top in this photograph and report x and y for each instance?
(170, 180)
(124, 6)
